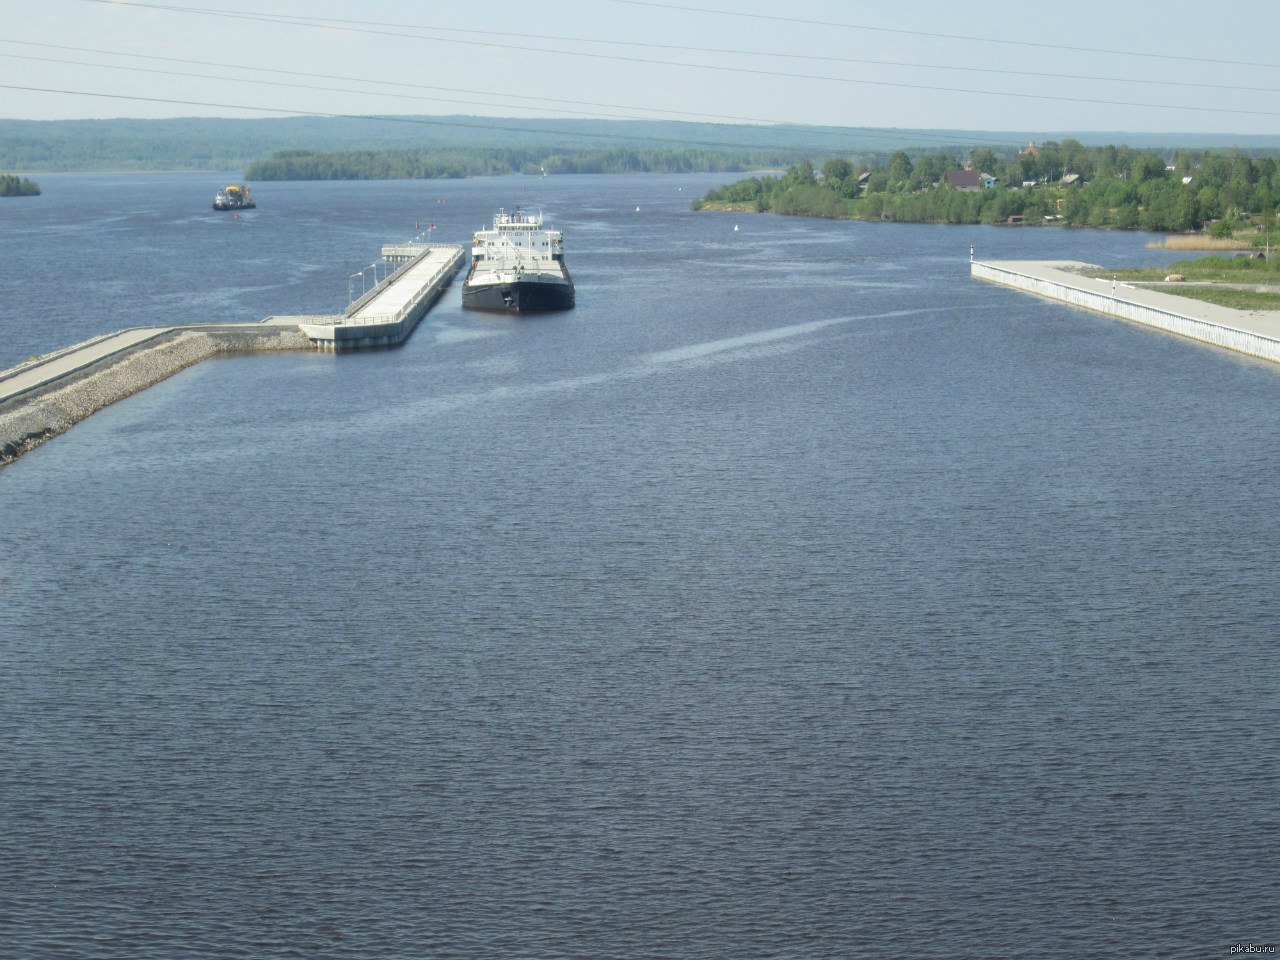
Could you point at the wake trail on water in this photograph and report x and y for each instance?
(751, 346)
(699, 350)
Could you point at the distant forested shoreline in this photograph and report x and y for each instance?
(450, 164)
(583, 145)
(11, 186)
(1055, 183)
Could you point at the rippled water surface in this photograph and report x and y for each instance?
(794, 596)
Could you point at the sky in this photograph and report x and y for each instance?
(1087, 66)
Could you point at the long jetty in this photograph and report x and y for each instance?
(1252, 332)
(43, 398)
(387, 314)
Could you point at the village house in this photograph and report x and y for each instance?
(970, 180)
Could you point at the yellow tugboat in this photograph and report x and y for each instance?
(233, 197)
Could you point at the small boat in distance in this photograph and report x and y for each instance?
(233, 197)
(517, 267)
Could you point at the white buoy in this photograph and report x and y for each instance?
(735, 228)
(637, 209)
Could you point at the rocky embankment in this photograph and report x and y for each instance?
(28, 421)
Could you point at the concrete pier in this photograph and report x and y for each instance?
(388, 313)
(1252, 332)
(45, 397)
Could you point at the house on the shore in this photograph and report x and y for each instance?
(971, 180)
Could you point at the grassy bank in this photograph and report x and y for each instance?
(1236, 299)
(1203, 269)
(1233, 271)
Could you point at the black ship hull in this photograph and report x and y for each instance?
(523, 296)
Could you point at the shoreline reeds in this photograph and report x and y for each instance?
(1195, 242)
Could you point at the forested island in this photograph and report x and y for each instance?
(11, 186)
(1054, 183)
(480, 162)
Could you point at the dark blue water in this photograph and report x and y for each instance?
(795, 596)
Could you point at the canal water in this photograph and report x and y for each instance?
(794, 596)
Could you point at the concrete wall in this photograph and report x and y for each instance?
(1242, 341)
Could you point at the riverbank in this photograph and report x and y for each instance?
(725, 206)
(1183, 241)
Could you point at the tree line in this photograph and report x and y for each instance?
(1113, 187)
(455, 163)
(12, 186)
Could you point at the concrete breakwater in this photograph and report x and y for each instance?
(1252, 332)
(46, 397)
(44, 411)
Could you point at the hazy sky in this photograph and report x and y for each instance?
(866, 64)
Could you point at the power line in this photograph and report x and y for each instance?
(862, 61)
(422, 121)
(698, 66)
(294, 86)
(871, 132)
(946, 36)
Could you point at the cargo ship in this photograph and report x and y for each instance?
(518, 267)
(233, 197)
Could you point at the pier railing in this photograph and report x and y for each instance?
(428, 289)
(367, 297)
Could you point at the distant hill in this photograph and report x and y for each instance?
(225, 144)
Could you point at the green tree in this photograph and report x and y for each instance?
(1028, 167)
(900, 168)
(1147, 167)
(1050, 161)
(1077, 158)
(13, 186)
(926, 173)
(1074, 210)
(837, 169)
(985, 161)
(801, 174)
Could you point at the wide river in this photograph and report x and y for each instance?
(794, 596)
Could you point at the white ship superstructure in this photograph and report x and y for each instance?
(518, 266)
